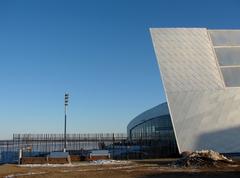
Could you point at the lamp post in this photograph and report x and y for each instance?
(66, 97)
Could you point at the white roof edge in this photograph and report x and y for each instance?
(156, 111)
(170, 28)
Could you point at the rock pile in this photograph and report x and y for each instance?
(204, 158)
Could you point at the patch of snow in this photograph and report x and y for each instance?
(46, 165)
(100, 162)
(24, 174)
(97, 162)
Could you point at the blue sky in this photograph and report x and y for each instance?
(99, 51)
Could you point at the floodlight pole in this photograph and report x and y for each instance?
(65, 128)
(65, 120)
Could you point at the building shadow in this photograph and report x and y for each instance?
(223, 141)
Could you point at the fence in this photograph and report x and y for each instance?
(43, 144)
(118, 145)
(8, 153)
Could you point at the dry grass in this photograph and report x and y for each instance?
(138, 169)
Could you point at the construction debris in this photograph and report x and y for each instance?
(204, 158)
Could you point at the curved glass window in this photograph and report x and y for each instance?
(157, 135)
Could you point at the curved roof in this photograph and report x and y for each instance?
(159, 110)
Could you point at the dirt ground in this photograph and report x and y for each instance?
(126, 169)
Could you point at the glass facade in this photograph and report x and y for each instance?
(157, 135)
(225, 37)
(227, 48)
(231, 76)
(228, 56)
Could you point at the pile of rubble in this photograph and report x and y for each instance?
(204, 158)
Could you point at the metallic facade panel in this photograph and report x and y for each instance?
(205, 114)
(228, 56)
(231, 76)
(225, 37)
(177, 50)
(205, 117)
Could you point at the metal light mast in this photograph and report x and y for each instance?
(66, 97)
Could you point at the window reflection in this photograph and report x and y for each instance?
(157, 132)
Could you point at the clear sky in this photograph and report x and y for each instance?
(100, 51)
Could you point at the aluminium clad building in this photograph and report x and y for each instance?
(200, 70)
